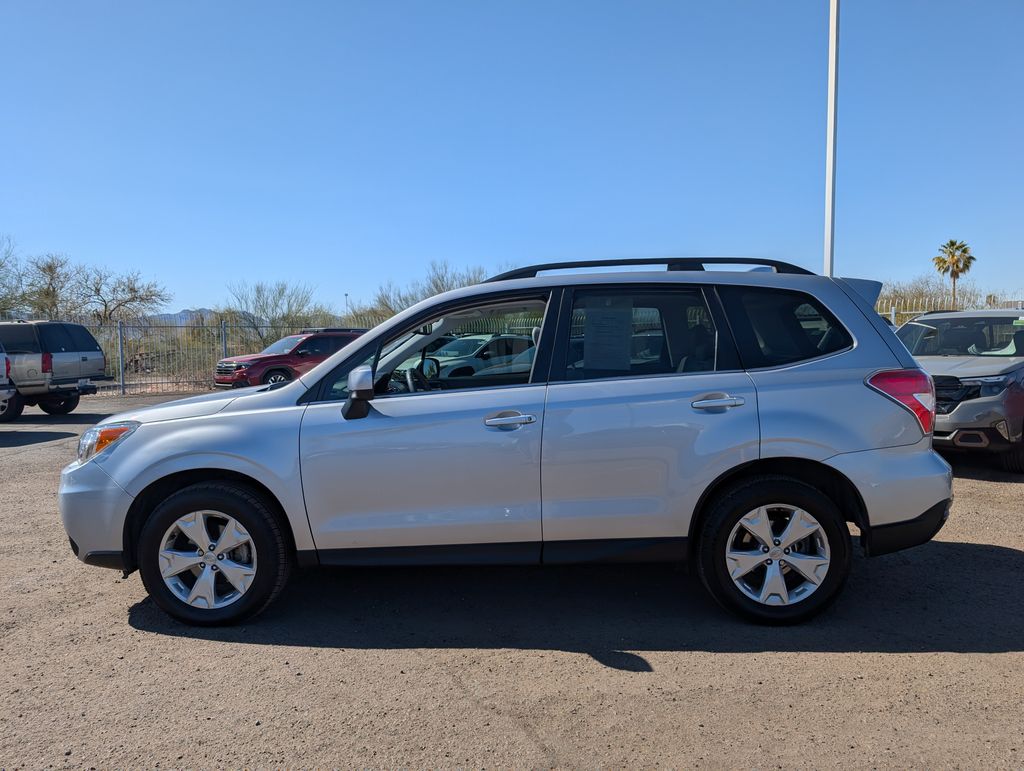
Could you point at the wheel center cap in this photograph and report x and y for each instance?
(209, 558)
(775, 553)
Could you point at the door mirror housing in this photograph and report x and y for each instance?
(360, 392)
(302, 352)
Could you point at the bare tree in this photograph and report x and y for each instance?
(54, 287)
(441, 277)
(112, 297)
(268, 310)
(11, 277)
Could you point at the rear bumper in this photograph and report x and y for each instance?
(897, 536)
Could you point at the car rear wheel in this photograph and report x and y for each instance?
(774, 550)
(60, 406)
(1013, 460)
(11, 409)
(277, 376)
(213, 554)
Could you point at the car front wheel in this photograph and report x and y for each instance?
(212, 554)
(774, 550)
(277, 376)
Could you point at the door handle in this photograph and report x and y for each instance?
(718, 403)
(509, 420)
(85, 358)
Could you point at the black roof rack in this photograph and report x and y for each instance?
(316, 330)
(670, 263)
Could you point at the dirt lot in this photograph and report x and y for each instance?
(920, 663)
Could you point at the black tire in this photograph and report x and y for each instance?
(12, 408)
(61, 405)
(274, 373)
(273, 556)
(745, 497)
(1013, 460)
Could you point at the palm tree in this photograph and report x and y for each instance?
(954, 259)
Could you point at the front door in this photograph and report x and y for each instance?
(440, 469)
(646, 408)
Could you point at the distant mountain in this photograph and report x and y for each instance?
(182, 317)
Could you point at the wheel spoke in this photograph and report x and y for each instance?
(194, 528)
(742, 562)
(203, 594)
(759, 525)
(232, 536)
(173, 561)
(810, 566)
(774, 591)
(237, 574)
(799, 527)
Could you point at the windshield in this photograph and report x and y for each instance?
(465, 346)
(995, 336)
(284, 345)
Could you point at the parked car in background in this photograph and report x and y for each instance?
(53, 364)
(285, 359)
(463, 356)
(976, 359)
(737, 421)
(6, 389)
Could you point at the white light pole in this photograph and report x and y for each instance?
(830, 137)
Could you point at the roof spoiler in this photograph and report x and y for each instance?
(866, 288)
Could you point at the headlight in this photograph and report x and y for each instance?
(243, 365)
(990, 385)
(101, 438)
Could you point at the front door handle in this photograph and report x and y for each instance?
(509, 420)
(718, 403)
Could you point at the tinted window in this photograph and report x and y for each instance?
(55, 339)
(82, 338)
(645, 332)
(778, 326)
(19, 338)
(317, 346)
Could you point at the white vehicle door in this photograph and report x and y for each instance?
(440, 468)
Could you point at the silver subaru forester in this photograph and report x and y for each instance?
(734, 420)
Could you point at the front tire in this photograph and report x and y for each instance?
(12, 408)
(277, 376)
(234, 576)
(774, 550)
(1013, 460)
(60, 406)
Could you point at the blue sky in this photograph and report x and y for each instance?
(348, 143)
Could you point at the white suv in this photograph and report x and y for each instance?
(737, 421)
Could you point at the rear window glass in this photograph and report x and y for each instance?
(55, 339)
(778, 326)
(19, 338)
(82, 338)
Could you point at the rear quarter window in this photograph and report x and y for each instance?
(19, 338)
(55, 339)
(82, 338)
(774, 327)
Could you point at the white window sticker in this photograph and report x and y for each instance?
(608, 333)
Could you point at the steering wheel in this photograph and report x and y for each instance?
(416, 380)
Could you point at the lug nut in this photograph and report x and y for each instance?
(785, 551)
(767, 562)
(220, 556)
(213, 546)
(213, 568)
(764, 549)
(199, 552)
(777, 542)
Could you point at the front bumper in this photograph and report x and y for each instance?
(93, 509)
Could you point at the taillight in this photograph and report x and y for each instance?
(913, 388)
(48, 362)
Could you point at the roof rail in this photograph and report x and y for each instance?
(317, 330)
(670, 263)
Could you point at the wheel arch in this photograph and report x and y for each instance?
(159, 490)
(828, 480)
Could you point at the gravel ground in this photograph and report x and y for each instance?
(919, 663)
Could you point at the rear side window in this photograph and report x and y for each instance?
(82, 338)
(19, 338)
(779, 326)
(55, 339)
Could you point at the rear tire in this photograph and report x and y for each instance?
(766, 589)
(12, 408)
(1013, 460)
(264, 550)
(277, 376)
(60, 406)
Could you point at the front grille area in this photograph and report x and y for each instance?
(225, 368)
(949, 392)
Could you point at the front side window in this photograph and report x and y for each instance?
(411, 361)
(284, 345)
(774, 327)
(629, 333)
(964, 336)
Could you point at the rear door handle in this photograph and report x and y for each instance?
(720, 402)
(509, 420)
(85, 358)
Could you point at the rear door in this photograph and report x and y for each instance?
(646, 407)
(55, 340)
(92, 363)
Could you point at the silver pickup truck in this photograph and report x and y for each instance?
(52, 364)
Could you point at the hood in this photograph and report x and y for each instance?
(250, 357)
(193, 407)
(970, 366)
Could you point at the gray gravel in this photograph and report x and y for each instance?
(919, 663)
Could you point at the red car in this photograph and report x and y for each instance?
(286, 359)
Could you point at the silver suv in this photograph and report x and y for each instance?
(976, 359)
(53, 364)
(737, 421)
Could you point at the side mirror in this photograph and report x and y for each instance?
(430, 368)
(302, 352)
(360, 392)
(485, 355)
